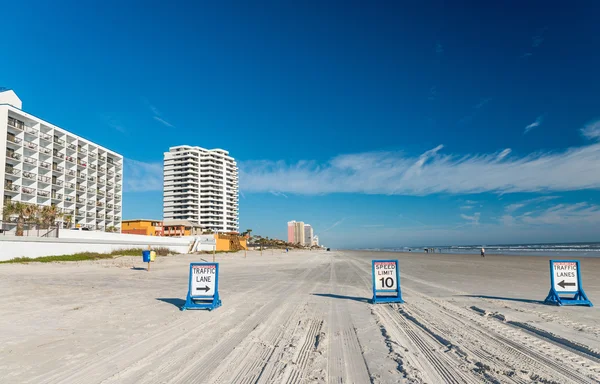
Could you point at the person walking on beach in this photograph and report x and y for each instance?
(482, 252)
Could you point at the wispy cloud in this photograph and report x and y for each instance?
(535, 124)
(335, 225)
(157, 115)
(278, 194)
(559, 214)
(504, 153)
(591, 130)
(467, 207)
(482, 103)
(472, 219)
(142, 177)
(432, 93)
(508, 219)
(468, 118)
(578, 213)
(521, 204)
(536, 41)
(164, 122)
(432, 172)
(114, 123)
(403, 216)
(439, 49)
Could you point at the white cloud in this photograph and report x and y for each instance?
(591, 130)
(432, 172)
(279, 194)
(114, 123)
(467, 207)
(536, 123)
(142, 177)
(335, 225)
(504, 153)
(432, 93)
(483, 102)
(538, 39)
(157, 115)
(164, 122)
(579, 213)
(473, 219)
(513, 207)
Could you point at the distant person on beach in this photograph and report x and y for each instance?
(482, 252)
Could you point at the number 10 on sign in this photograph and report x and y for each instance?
(386, 282)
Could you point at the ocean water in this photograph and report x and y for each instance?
(566, 250)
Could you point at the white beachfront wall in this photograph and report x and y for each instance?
(69, 242)
(201, 186)
(43, 164)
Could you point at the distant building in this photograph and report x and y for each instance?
(201, 186)
(291, 232)
(308, 235)
(299, 232)
(315, 241)
(176, 228)
(142, 227)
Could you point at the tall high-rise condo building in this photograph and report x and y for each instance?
(308, 235)
(45, 165)
(201, 186)
(291, 232)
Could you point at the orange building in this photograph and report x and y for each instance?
(142, 227)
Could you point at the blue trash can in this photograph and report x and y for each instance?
(146, 256)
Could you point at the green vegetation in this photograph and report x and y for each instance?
(160, 251)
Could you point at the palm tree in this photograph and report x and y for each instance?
(22, 211)
(68, 220)
(249, 233)
(10, 209)
(48, 215)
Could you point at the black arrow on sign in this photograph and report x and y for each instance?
(205, 289)
(563, 284)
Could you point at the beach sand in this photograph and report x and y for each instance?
(301, 317)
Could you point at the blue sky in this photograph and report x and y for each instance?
(382, 124)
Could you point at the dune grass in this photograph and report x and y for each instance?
(160, 251)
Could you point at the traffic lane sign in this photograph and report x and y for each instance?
(565, 276)
(203, 280)
(385, 276)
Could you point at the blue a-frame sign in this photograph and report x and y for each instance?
(386, 280)
(565, 279)
(203, 287)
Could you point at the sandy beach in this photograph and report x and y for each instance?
(302, 317)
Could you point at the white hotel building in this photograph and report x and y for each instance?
(201, 186)
(43, 164)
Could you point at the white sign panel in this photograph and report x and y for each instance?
(203, 280)
(385, 275)
(565, 276)
(208, 240)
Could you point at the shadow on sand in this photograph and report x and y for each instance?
(529, 301)
(333, 296)
(175, 301)
(139, 269)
